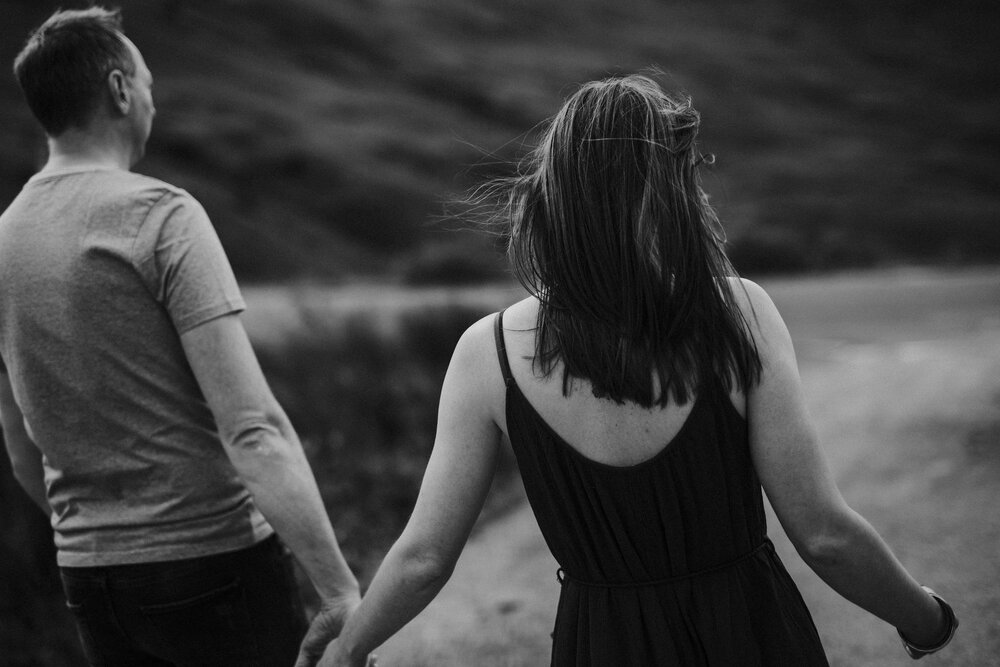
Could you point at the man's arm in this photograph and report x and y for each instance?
(25, 458)
(266, 452)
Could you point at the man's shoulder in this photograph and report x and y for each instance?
(103, 188)
(148, 187)
(149, 198)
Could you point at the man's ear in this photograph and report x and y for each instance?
(121, 97)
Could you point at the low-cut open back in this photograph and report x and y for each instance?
(665, 562)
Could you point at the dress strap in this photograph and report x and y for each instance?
(502, 349)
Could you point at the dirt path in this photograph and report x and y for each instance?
(902, 372)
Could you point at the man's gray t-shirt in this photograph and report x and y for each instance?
(100, 271)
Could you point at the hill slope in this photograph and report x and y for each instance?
(323, 136)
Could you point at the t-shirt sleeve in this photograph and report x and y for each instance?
(180, 258)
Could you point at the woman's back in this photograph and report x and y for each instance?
(656, 518)
(600, 429)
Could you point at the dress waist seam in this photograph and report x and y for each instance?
(564, 577)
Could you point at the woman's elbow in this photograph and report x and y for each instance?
(829, 542)
(824, 551)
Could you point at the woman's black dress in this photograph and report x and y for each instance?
(666, 562)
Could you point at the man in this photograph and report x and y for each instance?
(134, 410)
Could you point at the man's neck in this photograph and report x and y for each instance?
(76, 149)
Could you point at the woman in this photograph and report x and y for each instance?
(647, 395)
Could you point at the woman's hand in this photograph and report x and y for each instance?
(337, 656)
(326, 627)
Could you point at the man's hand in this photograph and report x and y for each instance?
(325, 627)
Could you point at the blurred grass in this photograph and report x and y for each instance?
(322, 137)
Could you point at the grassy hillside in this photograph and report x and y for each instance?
(323, 136)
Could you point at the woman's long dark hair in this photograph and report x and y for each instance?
(612, 232)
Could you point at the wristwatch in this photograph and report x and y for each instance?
(917, 652)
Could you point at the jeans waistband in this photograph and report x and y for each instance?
(126, 572)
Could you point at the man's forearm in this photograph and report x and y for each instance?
(277, 474)
(265, 451)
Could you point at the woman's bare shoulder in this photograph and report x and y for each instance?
(758, 309)
(476, 349)
(747, 292)
(475, 376)
(521, 316)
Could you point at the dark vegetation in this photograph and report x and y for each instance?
(323, 136)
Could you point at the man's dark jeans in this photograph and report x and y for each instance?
(240, 608)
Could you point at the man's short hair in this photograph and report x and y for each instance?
(65, 64)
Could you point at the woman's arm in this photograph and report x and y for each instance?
(452, 493)
(836, 542)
